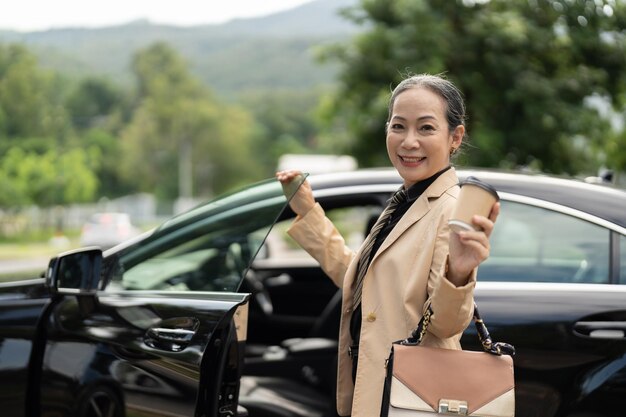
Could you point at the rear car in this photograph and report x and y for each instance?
(108, 229)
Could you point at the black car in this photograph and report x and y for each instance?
(217, 312)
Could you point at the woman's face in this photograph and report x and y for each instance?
(418, 138)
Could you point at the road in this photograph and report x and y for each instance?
(22, 266)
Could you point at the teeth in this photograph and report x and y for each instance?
(407, 159)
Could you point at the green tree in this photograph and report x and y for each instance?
(614, 151)
(46, 179)
(39, 161)
(181, 141)
(31, 99)
(526, 68)
(285, 122)
(13, 190)
(105, 150)
(99, 110)
(96, 102)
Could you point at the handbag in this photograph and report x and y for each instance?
(426, 381)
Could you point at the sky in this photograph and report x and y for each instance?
(33, 15)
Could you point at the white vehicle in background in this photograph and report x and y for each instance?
(106, 230)
(317, 164)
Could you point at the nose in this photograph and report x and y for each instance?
(410, 140)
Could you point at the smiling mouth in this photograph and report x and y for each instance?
(411, 160)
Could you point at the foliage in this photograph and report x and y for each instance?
(285, 123)
(96, 102)
(614, 151)
(167, 134)
(525, 67)
(179, 134)
(171, 137)
(98, 110)
(46, 179)
(105, 150)
(60, 148)
(37, 165)
(30, 98)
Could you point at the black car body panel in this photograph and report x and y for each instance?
(115, 354)
(569, 340)
(21, 307)
(147, 350)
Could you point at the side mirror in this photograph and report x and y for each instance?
(75, 272)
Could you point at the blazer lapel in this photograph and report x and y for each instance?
(419, 208)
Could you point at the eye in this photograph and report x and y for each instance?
(396, 126)
(427, 128)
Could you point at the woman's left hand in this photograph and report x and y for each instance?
(469, 248)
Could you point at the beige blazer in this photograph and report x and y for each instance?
(407, 270)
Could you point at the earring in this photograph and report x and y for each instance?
(452, 151)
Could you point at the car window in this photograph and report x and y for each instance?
(539, 245)
(206, 249)
(622, 260)
(352, 222)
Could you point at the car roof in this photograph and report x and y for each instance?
(603, 201)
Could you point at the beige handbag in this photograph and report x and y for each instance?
(426, 381)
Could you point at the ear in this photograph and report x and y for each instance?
(457, 136)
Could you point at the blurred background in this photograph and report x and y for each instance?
(116, 117)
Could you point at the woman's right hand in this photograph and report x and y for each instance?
(303, 199)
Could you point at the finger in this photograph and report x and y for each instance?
(478, 244)
(480, 237)
(287, 175)
(495, 211)
(483, 224)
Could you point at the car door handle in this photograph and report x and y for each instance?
(170, 335)
(601, 329)
(167, 339)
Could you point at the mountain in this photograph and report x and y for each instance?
(273, 51)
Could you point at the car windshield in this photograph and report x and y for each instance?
(208, 248)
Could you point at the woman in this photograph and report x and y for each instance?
(413, 259)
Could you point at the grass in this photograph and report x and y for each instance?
(17, 251)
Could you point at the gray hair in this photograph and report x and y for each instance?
(452, 97)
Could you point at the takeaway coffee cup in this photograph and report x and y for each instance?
(476, 197)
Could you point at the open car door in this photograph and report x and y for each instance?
(156, 327)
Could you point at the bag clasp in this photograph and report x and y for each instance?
(453, 407)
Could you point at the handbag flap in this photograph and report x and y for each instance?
(433, 374)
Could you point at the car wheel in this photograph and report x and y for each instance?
(100, 401)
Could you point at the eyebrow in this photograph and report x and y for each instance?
(425, 117)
